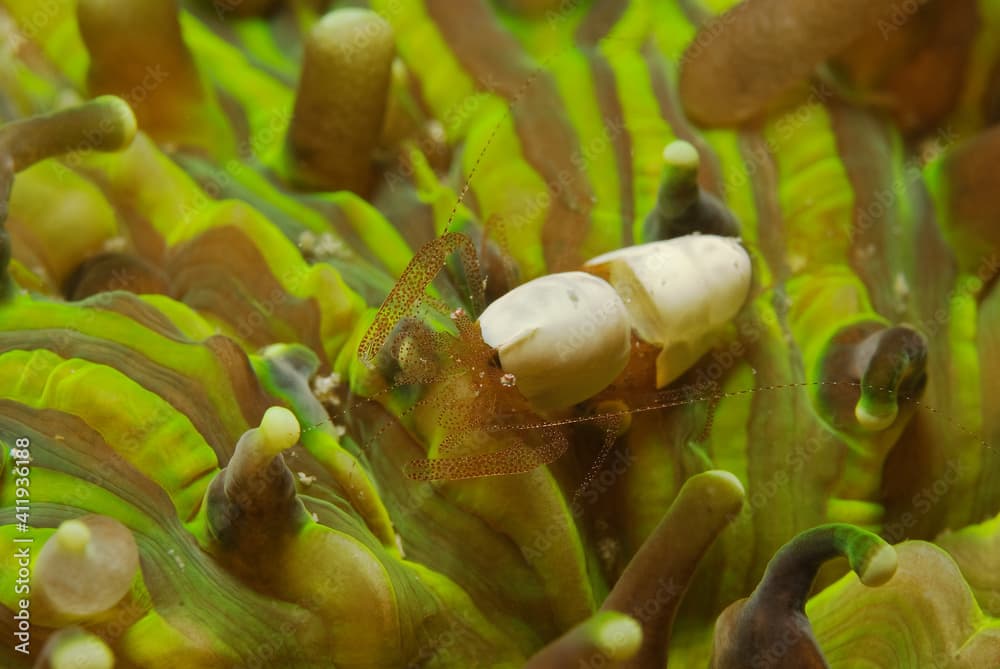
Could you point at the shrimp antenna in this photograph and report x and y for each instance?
(433, 256)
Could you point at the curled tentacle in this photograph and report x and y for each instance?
(770, 628)
(924, 617)
(895, 360)
(872, 371)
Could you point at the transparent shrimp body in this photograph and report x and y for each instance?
(540, 352)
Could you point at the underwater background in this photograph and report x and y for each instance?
(252, 260)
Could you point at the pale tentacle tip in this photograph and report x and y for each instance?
(681, 154)
(880, 567)
(85, 651)
(727, 482)
(349, 18)
(874, 421)
(73, 536)
(618, 636)
(121, 117)
(279, 429)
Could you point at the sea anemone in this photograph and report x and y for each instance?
(499, 333)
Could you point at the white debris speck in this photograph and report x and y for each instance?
(325, 388)
(177, 558)
(319, 247)
(901, 287)
(399, 545)
(435, 130)
(796, 262)
(115, 244)
(328, 246)
(306, 479)
(607, 551)
(307, 242)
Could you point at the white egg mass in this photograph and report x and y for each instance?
(564, 337)
(678, 292)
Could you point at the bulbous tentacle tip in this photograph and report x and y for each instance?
(118, 120)
(725, 483)
(681, 155)
(875, 419)
(878, 566)
(125, 37)
(103, 124)
(616, 635)
(606, 637)
(279, 430)
(73, 537)
(296, 358)
(75, 648)
(682, 207)
(85, 568)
